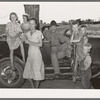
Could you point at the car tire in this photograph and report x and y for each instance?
(5, 67)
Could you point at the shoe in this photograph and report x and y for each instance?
(56, 76)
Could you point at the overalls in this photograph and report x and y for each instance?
(85, 74)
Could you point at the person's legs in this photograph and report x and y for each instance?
(37, 84)
(69, 51)
(86, 76)
(12, 59)
(61, 50)
(32, 83)
(22, 52)
(66, 49)
(75, 69)
(62, 47)
(54, 60)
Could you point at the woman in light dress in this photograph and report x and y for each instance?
(34, 68)
(14, 31)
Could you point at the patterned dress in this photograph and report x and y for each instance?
(13, 30)
(34, 68)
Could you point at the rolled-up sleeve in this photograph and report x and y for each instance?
(64, 39)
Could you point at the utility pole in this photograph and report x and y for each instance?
(33, 11)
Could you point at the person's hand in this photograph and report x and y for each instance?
(13, 39)
(27, 41)
(24, 37)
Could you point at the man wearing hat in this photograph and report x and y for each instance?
(59, 46)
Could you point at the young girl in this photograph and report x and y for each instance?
(13, 31)
(34, 68)
(25, 25)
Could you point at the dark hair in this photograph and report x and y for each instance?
(43, 28)
(67, 35)
(35, 21)
(87, 45)
(75, 22)
(26, 17)
(83, 26)
(13, 13)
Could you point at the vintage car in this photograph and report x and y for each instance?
(16, 77)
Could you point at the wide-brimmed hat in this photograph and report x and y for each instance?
(53, 23)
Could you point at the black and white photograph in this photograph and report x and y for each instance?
(50, 45)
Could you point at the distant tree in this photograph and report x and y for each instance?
(64, 23)
(79, 21)
(41, 21)
(89, 21)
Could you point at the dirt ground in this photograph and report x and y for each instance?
(56, 84)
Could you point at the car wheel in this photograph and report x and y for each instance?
(8, 77)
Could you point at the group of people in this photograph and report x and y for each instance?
(26, 32)
(61, 46)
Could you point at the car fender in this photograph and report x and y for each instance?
(16, 59)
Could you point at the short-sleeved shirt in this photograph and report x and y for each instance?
(13, 29)
(56, 38)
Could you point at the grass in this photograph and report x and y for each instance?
(2, 29)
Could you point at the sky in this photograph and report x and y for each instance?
(59, 11)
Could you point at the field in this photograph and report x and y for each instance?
(92, 29)
(2, 29)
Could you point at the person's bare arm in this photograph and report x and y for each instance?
(18, 35)
(38, 44)
(8, 34)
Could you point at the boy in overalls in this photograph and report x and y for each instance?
(85, 67)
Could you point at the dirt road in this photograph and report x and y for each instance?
(56, 84)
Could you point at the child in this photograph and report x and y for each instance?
(25, 25)
(13, 31)
(87, 58)
(85, 66)
(77, 40)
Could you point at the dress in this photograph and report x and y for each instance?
(13, 30)
(34, 68)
